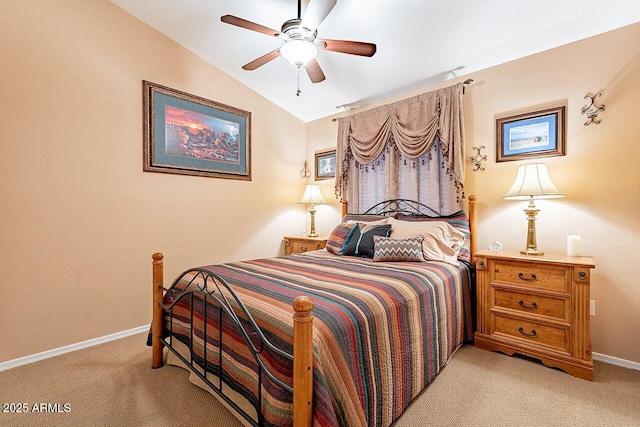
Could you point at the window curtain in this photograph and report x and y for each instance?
(412, 149)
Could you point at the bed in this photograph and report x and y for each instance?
(322, 338)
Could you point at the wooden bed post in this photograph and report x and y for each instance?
(302, 362)
(156, 325)
(344, 207)
(473, 219)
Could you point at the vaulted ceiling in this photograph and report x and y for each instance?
(419, 42)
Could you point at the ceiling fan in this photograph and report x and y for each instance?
(301, 44)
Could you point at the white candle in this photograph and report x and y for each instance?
(573, 246)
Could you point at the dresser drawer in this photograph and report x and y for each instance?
(536, 276)
(542, 305)
(298, 247)
(555, 337)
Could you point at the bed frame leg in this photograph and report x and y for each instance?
(473, 219)
(156, 325)
(302, 362)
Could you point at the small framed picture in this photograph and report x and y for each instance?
(536, 134)
(325, 164)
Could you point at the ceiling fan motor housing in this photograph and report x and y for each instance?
(293, 29)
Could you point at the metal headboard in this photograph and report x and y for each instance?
(405, 206)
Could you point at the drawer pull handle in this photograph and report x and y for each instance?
(532, 334)
(582, 275)
(533, 305)
(532, 278)
(303, 249)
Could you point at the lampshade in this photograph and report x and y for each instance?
(298, 52)
(533, 180)
(312, 195)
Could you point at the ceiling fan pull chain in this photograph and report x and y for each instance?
(298, 91)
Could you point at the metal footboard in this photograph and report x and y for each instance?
(212, 301)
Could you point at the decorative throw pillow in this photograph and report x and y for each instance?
(360, 243)
(441, 242)
(338, 237)
(458, 220)
(387, 249)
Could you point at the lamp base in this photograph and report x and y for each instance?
(532, 247)
(312, 232)
(531, 251)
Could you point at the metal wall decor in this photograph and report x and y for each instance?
(305, 172)
(478, 159)
(592, 109)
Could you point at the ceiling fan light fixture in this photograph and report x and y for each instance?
(298, 52)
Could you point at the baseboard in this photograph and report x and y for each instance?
(69, 348)
(616, 361)
(101, 340)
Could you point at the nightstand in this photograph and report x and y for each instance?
(296, 245)
(537, 306)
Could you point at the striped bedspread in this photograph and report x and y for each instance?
(382, 331)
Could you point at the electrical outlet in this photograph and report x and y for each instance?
(592, 308)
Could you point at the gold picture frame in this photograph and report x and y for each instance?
(189, 135)
(529, 135)
(325, 164)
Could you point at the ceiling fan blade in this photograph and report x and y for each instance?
(314, 71)
(350, 47)
(243, 23)
(259, 62)
(317, 11)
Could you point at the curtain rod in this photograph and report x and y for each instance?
(466, 82)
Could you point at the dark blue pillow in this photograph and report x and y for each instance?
(360, 241)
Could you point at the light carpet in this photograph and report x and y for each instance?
(113, 385)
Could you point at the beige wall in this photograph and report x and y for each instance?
(80, 219)
(599, 173)
(321, 136)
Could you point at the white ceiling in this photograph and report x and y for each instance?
(419, 42)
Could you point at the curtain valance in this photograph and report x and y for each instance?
(411, 126)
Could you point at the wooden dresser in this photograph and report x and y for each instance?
(296, 245)
(537, 306)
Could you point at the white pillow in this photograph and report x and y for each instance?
(441, 242)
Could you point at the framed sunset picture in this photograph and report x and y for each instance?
(189, 135)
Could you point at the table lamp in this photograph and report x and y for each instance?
(313, 197)
(532, 181)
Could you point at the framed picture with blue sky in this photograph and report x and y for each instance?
(529, 135)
